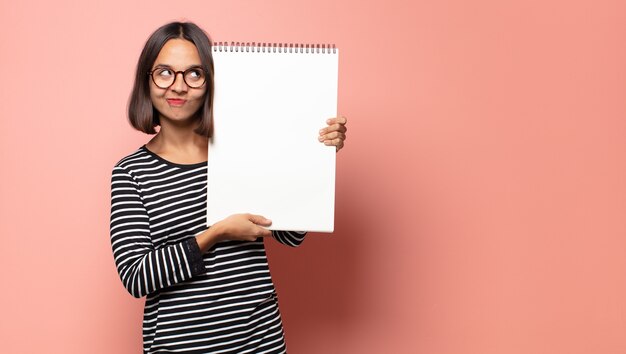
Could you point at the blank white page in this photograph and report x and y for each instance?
(265, 157)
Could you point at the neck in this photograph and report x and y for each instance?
(179, 136)
(179, 143)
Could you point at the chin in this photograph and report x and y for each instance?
(182, 120)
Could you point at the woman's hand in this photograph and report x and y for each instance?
(243, 227)
(335, 133)
(237, 227)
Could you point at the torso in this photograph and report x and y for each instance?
(218, 310)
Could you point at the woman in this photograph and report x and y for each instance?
(207, 290)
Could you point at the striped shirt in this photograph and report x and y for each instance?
(222, 301)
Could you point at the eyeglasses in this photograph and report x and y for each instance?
(165, 77)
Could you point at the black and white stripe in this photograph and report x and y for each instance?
(222, 301)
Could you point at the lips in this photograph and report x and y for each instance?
(176, 101)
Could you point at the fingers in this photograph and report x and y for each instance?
(331, 136)
(341, 120)
(338, 146)
(335, 124)
(262, 232)
(333, 142)
(337, 142)
(335, 127)
(334, 133)
(259, 220)
(244, 227)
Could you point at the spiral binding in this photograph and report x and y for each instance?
(274, 47)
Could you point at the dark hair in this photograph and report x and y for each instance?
(141, 113)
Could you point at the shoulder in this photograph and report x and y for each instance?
(133, 161)
(130, 167)
(127, 170)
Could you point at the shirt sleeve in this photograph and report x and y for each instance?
(142, 268)
(289, 238)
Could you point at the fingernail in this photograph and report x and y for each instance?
(321, 138)
(328, 121)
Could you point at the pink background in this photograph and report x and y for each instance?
(481, 197)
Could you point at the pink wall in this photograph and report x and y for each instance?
(480, 198)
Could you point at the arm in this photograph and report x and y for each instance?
(142, 268)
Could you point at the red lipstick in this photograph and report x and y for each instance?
(177, 102)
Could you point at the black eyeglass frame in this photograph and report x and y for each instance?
(176, 75)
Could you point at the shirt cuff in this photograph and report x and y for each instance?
(194, 256)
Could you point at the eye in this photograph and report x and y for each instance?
(195, 73)
(164, 72)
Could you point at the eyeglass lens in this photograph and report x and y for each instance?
(165, 77)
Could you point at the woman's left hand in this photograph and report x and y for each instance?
(335, 133)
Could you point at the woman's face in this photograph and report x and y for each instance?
(179, 102)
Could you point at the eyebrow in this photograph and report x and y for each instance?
(170, 67)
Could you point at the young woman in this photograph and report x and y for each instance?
(208, 290)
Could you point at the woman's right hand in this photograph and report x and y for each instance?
(237, 227)
(243, 227)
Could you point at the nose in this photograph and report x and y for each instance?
(179, 85)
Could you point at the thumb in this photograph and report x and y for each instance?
(260, 220)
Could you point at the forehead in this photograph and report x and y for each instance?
(178, 53)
